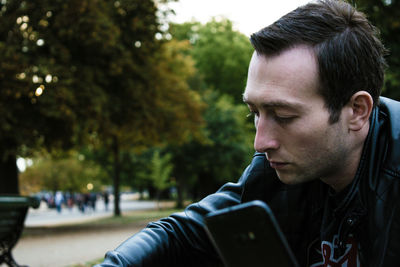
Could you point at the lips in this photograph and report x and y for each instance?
(277, 165)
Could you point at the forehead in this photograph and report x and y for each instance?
(291, 76)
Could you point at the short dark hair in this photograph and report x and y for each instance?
(349, 52)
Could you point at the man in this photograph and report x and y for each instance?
(328, 150)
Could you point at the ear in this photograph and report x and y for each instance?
(360, 105)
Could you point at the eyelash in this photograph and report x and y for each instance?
(281, 120)
(252, 113)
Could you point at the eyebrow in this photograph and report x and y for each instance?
(276, 104)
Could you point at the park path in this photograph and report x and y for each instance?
(60, 240)
(63, 249)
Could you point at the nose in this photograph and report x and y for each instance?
(265, 139)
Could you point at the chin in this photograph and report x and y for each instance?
(290, 180)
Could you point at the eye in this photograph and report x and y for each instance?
(284, 119)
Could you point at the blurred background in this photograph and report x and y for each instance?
(141, 97)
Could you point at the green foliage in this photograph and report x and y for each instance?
(385, 14)
(91, 74)
(135, 169)
(70, 173)
(204, 166)
(176, 111)
(222, 55)
(161, 169)
(221, 58)
(90, 71)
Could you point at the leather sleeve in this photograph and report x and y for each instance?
(180, 239)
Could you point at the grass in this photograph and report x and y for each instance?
(134, 216)
(87, 264)
(127, 219)
(131, 217)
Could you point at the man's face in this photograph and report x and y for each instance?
(291, 119)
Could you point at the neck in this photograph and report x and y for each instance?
(340, 182)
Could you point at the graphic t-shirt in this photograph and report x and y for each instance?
(327, 257)
(328, 252)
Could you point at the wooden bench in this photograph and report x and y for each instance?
(13, 210)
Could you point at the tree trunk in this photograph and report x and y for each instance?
(8, 169)
(116, 178)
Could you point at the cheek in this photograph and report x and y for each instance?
(307, 139)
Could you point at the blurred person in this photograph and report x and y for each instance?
(70, 200)
(86, 201)
(58, 201)
(93, 200)
(48, 198)
(327, 145)
(106, 198)
(80, 202)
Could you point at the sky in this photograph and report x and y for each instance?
(248, 16)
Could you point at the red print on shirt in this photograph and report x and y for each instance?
(348, 259)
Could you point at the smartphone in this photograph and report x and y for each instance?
(249, 235)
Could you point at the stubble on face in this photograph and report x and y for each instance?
(308, 147)
(321, 156)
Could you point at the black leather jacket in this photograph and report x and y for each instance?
(370, 211)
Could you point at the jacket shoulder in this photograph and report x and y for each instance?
(390, 111)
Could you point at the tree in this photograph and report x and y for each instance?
(163, 107)
(222, 55)
(202, 166)
(221, 58)
(53, 56)
(69, 173)
(385, 14)
(160, 175)
(34, 113)
(89, 71)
